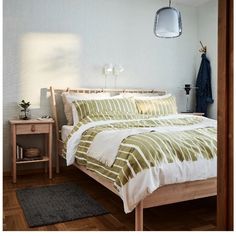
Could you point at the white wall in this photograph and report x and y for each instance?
(65, 43)
(207, 22)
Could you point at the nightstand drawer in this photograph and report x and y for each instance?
(32, 128)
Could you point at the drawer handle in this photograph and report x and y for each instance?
(33, 128)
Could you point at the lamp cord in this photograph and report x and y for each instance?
(105, 81)
(169, 3)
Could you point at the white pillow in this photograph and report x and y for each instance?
(75, 115)
(152, 97)
(68, 98)
(135, 95)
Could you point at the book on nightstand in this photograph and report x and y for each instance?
(19, 152)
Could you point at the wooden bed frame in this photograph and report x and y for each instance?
(172, 193)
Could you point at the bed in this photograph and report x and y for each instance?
(165, 192)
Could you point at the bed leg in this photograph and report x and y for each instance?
(139, 217)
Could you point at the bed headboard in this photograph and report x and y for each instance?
(58, 108)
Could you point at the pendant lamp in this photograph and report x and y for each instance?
(168, 22)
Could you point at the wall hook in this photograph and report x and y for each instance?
(203, 49)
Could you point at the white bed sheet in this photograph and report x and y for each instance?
(65, 131)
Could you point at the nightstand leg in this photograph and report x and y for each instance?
(46, 152)
(13, 127)
(50, 152)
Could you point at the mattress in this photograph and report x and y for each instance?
(65, 131)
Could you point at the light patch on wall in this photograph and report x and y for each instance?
(48, 60)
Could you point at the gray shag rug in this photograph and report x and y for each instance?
(57, 203)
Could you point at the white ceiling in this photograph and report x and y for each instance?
(191, 2)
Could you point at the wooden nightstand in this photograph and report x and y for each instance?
(193, 113)
(28, 127)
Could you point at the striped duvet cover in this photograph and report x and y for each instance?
(184, 151)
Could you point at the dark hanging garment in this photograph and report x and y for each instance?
(203, 84)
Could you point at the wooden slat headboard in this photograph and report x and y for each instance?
(57, 107)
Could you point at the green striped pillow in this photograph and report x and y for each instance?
(119, 105)
(163, 105)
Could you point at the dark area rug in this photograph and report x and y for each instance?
(57, 203)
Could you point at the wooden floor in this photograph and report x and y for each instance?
(191, 215)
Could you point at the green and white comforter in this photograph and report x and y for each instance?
(139, 154)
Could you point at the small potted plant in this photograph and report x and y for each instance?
(25, 111)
